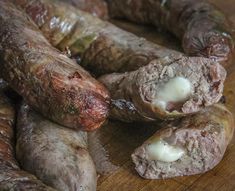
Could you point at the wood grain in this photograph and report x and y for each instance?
(117, 140)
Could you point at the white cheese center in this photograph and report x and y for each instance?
(175, 90)
(162, 151)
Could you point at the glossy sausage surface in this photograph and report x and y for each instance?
(100, 46)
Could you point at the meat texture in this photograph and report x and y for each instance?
(202, 27)
(166, 88)
(49, 81)
(189, 146)
(56, 155)
(11, 176)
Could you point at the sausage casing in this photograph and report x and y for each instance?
(58, 156)
(11, 176)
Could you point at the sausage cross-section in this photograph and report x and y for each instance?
(202, 27)
(48, 80)
(192, 145)
(166, 88)
(58, 156)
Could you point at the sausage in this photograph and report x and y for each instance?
(99, 46)
(49, 81)
(165, 89)
(11, 176)
(58, 156)
(189, 146)
(203, 28)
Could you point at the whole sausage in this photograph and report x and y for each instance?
(166, 88)
(11, 176)
(49, 81)
(203, 28)
(189, 146)
(56, 155)
(100, 46)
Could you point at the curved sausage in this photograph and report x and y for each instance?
(11, 176)
(203, 28)
(49, 81)
(189, 146)
(56, 155)
(166, 88)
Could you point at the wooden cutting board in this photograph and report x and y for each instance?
(116, 141)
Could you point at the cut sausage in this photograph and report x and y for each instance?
(166, 88)
(56, 155)
(189, 146)
(11, 176)
(203, 28)
(49, 81)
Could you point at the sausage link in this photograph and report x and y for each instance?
(56, 155)
(102, 47)
(189, 146)
(166, 88)
(11, 176)
(49, 81)
(203, 28)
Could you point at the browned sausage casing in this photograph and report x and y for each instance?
(56, 155)
(11, 176)
(49, 81)
(203, 28)
(198, 143)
